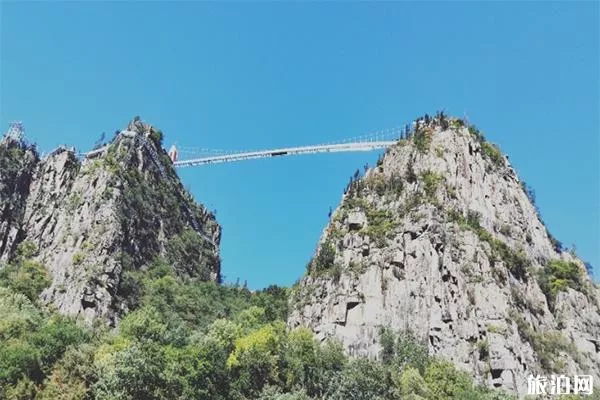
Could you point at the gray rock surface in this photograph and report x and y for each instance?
(92, 220)
(17, 163)
(405, 258)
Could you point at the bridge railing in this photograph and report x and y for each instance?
(343, 147)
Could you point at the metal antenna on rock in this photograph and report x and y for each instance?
(16, 130)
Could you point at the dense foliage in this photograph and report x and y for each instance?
(192, 339)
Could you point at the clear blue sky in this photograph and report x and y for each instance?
(258, 75)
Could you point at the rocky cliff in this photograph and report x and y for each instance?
(442, 239)
(94, 221)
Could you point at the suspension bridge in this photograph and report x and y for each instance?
(288, 151)
(193, 157)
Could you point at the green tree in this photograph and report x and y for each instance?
(387, 340)
(18, 315)
(255, 360)
(302, 369)
(18, 359)
(274, 300)
(201, 370)
(24, 389)
(148, 325)
(53, 338)
(363, 379)
(138, 372)
(251, 318)
(223, 333)
(25, 276)
(72, 376)
(445, 381)
(410, 352)
(275, 393)
(411, 383)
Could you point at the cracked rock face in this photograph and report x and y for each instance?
(440, 239)
(17, 162)
(92, 220)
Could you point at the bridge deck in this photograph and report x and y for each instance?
(330, 148)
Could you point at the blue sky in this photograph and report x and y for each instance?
(259, 75)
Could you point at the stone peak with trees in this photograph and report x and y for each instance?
(441, 240)
(94, 222)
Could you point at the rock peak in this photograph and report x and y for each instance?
(442, 239)
(95, 221)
